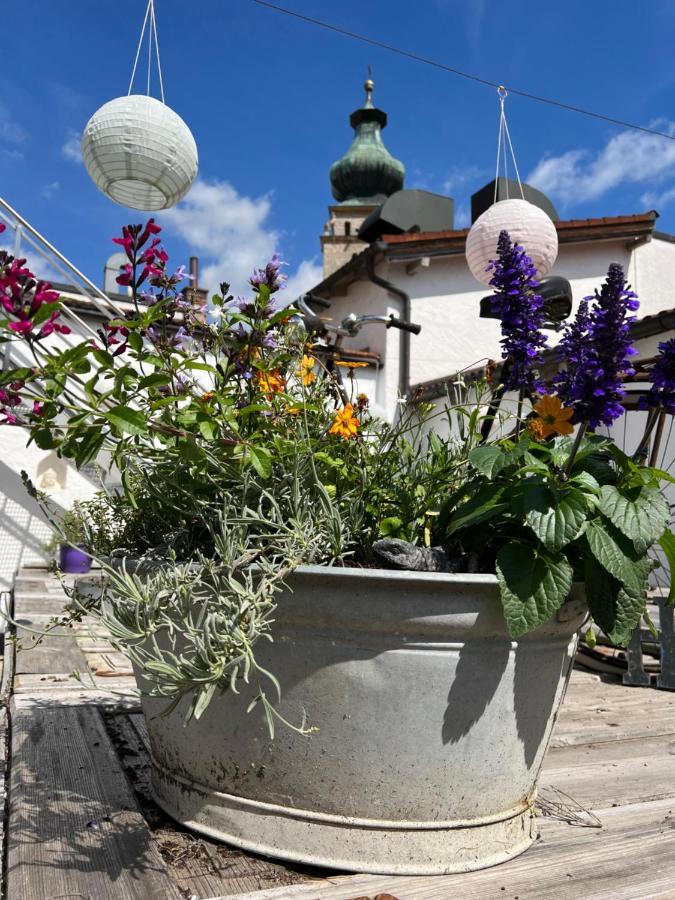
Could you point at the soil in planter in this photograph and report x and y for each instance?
(196, 864)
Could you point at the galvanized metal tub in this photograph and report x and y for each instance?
(433, 725)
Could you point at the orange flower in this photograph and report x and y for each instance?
(293, 410)
(552, 418)
(270, 383)
(306, 371)
(345, 423)
(350, 365)
(362, 401)
(207, 397)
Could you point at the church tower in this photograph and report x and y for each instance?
(362, 180)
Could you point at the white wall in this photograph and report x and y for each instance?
(445, 300)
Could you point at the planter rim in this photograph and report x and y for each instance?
(345, 572)
(401, 575)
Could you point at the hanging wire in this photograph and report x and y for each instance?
(504, 143)
(149, 22)
(138, 49)
(159, 65)
(438, 65)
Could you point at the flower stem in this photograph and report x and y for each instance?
(581, 431)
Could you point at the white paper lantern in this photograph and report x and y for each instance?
(526, 224)
(140, 153)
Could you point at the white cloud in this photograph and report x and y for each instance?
(630, 157)
(230, 234)
(10, 130)
(462, 175)
(462, 215)
(71, 149)
(12, 135)
(50, 189)
(307, 275)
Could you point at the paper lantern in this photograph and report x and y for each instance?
(526, 224)
(140, 153)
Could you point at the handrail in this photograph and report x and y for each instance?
(7, 213)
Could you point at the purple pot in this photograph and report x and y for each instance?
(72, 560)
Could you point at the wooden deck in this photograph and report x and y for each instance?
(80, 822)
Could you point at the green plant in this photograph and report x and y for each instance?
(241, 457)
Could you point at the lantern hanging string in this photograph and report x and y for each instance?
(504, 141)
(149, 22)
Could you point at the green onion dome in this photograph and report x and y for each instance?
(367, 173)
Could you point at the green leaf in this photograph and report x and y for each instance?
(662, 476)
(616, 607)
(489, 461)
(261, 460)
(484, 505)
(103, 358)
(127, 421)
(641, 518)
(390, 526)
(135, 341)
(555, 518)
(156, 379)
(208, 427)
(614, 551)
(667, 544)
(533, 585)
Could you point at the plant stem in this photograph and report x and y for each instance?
(581, 431)
(641, 452)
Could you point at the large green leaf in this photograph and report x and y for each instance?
(667, 544)
(128, 421)
(261, 460)
(641, 517)
(489, 461)
(613, 551)
(484, 505)
(555, 518)
(616, 607)
(533, 585)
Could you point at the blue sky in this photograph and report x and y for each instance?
(268, 100)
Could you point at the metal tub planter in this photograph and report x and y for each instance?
(432, 727)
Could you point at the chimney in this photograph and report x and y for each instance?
(194, 272)
(199, 295)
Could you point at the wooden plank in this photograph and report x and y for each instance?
(597, 710)
(605, 774)
(56, 654)
(632, 856)
(60, 681)
(103, 699)
(43, 604)
(74, 827)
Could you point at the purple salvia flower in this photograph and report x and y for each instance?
(520, 309)
(598, 353)
(662, 392)
(270, 275)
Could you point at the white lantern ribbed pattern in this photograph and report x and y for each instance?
(526, 224)
(140, 153)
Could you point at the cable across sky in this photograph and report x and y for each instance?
(374, 42)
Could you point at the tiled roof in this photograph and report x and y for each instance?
(568, 230)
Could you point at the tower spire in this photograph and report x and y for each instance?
(367, 173)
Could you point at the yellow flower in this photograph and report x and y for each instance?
(345, 423)
(270, 383)
(207, 397)
(552, 418)
(293, 410)
(350, 365)
(306, 370)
